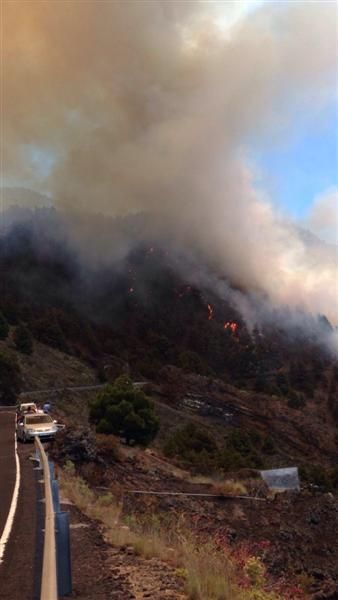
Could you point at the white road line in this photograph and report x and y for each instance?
(10, 519)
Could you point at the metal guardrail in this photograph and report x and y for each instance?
(49, 573)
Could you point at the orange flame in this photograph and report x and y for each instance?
(231, 325)
(211, 312)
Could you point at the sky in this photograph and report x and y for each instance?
(294, 170)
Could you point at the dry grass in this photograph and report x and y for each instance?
(227, 487)
(208, 573)
(207, 570)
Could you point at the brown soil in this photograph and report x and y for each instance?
(101, 572)
(302, 435)
(295, 533)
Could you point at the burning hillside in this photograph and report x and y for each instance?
(153, 307)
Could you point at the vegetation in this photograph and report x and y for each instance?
(47, 330)
(45, 288)
(23, 340)
(126, 411)
(195, 448)
(10, 378)
(314, 474)
(208, 570)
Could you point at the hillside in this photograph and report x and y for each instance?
(145, 316)
(231, 399)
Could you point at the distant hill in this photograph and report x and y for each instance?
(23, 198)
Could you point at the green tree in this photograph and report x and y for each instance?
(4, 328)
(10, 378)
(23, 339)
(125, 410)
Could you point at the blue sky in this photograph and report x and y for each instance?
(295, 171)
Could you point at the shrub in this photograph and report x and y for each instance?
(23, 339)
(193, 446)
(126, 411)
(229, 487)
(255, 571)
(242, 449)
(317, 475)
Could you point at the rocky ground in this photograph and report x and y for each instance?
(300, 434)
(295, 534)
(106, 573)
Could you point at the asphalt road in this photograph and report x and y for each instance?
(74, 388)
(21, 566)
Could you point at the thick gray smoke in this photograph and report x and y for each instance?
(125, 107)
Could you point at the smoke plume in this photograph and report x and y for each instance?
(115, 108)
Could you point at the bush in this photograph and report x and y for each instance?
(23, 339)
(126, 411)
(4, 328)
(317, 475)
(242, 450)
(193, 446)
(10, 378)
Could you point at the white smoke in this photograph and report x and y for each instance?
(150, 106)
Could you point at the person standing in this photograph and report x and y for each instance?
(46, 407)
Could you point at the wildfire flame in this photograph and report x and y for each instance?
(211, 312)
(231, 325)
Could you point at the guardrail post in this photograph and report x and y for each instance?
(55, 495)
(63, 559)
(51, 470)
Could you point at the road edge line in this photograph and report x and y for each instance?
(10, 518)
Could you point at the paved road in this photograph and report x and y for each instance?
(75, 388)
(19, 571)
